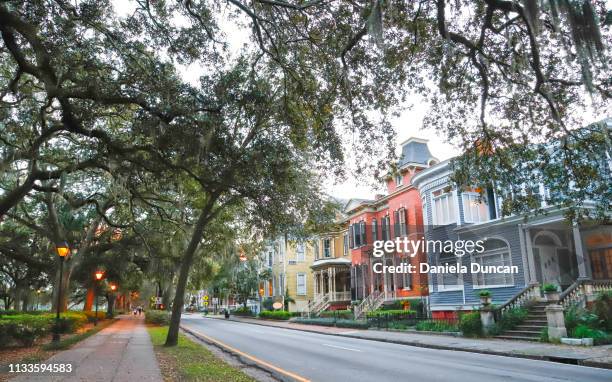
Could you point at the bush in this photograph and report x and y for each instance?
(157, 317)
(92, 315)
(27, 334)
(512, 318)
(267, 303)
(484, 293)
(243, 311)
(603, 309)
(470, 324)
(275, 315)
(391, 313)
(436, 326)
(550, 288)
(341, 323)
(343, 314)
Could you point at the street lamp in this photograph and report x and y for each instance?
(111, 300)
(98, 275)
(62, 249)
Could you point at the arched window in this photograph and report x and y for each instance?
(496, 254)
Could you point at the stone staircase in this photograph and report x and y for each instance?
(531, 328)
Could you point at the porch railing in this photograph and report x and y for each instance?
(528, 294)
(578, 292)
(373, 302)
(317, 305)
(339, 296)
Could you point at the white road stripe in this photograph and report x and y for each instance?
(341, 347)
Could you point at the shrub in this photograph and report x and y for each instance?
(512, 318)
(544, 335)
(343, 314)
(436, 326)
(391, 313)
(92, 315)
(26, 335)
(157, 317)
(341, 323)
(275, 315)
(470, 324)
(243, 311)
(484, 293)
(603, 309)
(548, 288)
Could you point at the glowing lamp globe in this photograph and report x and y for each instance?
(62, 249)
(99, 275)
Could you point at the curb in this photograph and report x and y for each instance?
(274, 373)
(549, 358)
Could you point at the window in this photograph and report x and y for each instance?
(449, 280)
(399, 180)
(326, 247)
(444, 208)
(299, 250)
(496, 253)
(345, 244)
(363, 232)
(351, 234)
(474, 209)
(270, 258)
(386, 228)
(315, 245)
(374, 230)
(301, 284)
(407, 279)
(403, 229)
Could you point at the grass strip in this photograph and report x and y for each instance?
(189, 361)
(69, 341)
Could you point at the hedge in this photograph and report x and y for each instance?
(243, 311)
(470, 324)
(345, 314)
(341, 323)
(25, 328)
(391, 312)
(157, 317)
(275, 314)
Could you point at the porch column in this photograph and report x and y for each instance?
(580, 258)
(315, 285)
(533, 278)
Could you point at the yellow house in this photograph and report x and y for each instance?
(289, 262)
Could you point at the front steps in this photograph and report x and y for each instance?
(530, 329)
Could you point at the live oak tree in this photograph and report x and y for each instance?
(83, 89)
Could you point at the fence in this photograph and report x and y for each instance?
(403, 321)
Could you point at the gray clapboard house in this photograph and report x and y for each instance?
(545, 248)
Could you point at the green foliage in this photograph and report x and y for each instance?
(343, 314)
(436, 326)
(275, 315)
(243, 311)
(341, 323)
(544, 335)
(157, 317)
(550, 288)
(603, 309)
(392, 313)
(484, 293)
(512, 318)
(470, 324)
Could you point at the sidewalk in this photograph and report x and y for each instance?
(597, 356)
(120, 352)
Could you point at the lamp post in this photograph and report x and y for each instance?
(62, 249)
(38, 291)
(98, 275)
(111, 301)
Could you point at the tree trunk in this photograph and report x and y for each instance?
(89, 299)
(179, 297)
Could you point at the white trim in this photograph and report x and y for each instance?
(297, 284)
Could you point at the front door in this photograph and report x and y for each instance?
(601, 263)
(547, 264)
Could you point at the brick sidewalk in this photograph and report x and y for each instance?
(599, 356)
(118, 353)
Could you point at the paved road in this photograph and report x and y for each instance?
(319, 357)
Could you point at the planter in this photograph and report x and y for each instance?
(552, 296)
(577, 341)
(486, 300)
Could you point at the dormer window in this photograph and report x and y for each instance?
(399, 180)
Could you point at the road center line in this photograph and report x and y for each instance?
(252, 358)
(341, 347)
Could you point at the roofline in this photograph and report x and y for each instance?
(418, 178)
